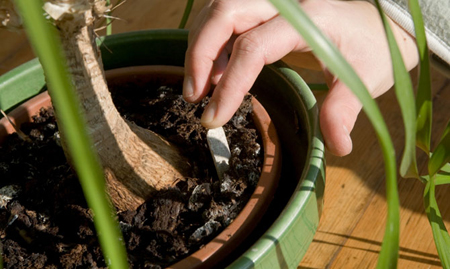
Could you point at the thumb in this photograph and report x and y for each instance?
(338, 115)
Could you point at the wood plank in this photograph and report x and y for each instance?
(416, 241)
(137, 15)
(352, 182)
(14, 50)
(133, 16)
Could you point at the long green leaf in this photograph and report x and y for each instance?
(46, 44)
(423, 99)
(441, 155)
(446, 168)
(440, 233)
(336, 63)
(405, 97)
(108, 20)
(442, 178)
(186, 13)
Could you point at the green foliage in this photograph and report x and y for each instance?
(108, 20)
(405, 98)
(440, 233)
(47, 46)
(441, 156)
(417, 117)
(423, 97)
(442, 177)
(187, 12)
(332, 58)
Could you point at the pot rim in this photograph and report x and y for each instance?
(223, 244)
(301, 214)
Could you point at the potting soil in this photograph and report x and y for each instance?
(44, 219)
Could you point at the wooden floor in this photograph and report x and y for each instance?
(352, 225)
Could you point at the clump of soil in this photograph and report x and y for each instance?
(44, 219)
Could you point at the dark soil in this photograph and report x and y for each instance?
(44, 220)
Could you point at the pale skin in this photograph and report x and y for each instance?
(253, 34)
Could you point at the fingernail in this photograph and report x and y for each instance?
(210, 113)
(188, 87)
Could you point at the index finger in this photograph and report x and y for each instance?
(252, 50)
(210, 35)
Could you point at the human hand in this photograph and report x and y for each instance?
(253, 33)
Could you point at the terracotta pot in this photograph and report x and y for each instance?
(283, 236)
(222, 245)
(23, 113)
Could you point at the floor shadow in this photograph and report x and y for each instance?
(405, 253)
(366, 159)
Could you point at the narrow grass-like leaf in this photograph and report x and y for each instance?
(423, 98)
(405, 97)
(440, 233)
(446, 168)
(441, 155)
(442, 178)
(108, 20)
(47, 46)
(335, 62)
(186, 13)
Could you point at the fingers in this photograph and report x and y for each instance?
(205, 47)
(338, 115)
(263, 38)
(251, 51)
(208, 39)
(221, 63)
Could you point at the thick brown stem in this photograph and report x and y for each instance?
(136, 161)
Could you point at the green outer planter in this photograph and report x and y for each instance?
(20, 84)
(282, 238)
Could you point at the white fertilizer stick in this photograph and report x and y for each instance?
(220, 151)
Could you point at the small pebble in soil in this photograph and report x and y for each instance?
(201, 195)
(8, 193)
(205, 231)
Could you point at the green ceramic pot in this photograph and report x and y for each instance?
(287, 229)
